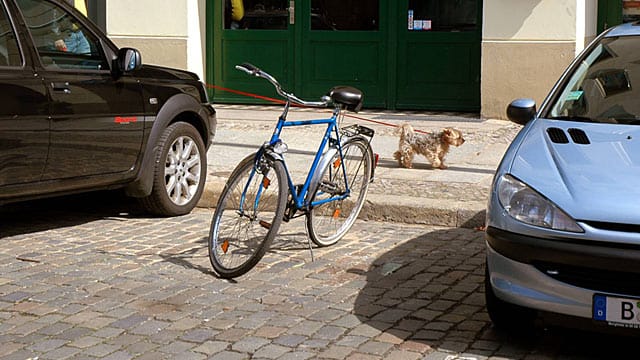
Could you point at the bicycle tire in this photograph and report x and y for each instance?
(329, 222)
(237, 241)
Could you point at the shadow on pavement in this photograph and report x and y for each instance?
(185, 259)
(64, 211)
(429, 292)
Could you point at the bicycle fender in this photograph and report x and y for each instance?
(369, 152)
(326, 160)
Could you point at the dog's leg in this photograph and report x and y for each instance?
(441, 160)
(444, 149)
(407, 160)
(404, 156)
(432, 158)
(398, 156)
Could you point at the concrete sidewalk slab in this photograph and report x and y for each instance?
(455, 197)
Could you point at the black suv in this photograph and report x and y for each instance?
(79, 114)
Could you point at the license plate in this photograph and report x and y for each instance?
(617, 311)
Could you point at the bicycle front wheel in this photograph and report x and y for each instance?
(329, 222)
(247, 216)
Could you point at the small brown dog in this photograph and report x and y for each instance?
(433, 146)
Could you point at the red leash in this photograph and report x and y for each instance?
(278, 101)
(238, 92)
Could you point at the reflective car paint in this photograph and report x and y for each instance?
(590, 171)
(58, 127)
(584, 179)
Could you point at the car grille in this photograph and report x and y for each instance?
(616, 282)
(632, 228)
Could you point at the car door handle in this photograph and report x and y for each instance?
(61, 86)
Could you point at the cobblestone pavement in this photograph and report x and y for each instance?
(89, 277)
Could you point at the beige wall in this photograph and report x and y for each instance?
(155, 18)
(512, 70)
(586, 24)
(530, 20)
(526, 46)
(170, 52)
(167, 32)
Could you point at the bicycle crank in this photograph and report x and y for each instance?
(330, 188)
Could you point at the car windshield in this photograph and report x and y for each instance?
(601, 88)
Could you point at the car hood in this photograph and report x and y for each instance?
(591, 171)
(160, 72)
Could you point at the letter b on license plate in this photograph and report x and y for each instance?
(617, 311)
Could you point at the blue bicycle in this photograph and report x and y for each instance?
(260, 193)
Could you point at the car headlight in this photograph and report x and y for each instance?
(526, 205)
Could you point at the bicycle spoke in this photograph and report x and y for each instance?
(248, 214)
(327, 223)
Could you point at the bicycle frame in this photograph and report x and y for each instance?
(299, 194)
(241, 234)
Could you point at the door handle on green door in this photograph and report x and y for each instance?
(292, 12)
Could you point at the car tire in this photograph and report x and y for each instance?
(504, 315)
(179, 172)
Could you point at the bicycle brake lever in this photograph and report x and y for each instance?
(248, 68)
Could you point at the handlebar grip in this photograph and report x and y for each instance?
(248, 68)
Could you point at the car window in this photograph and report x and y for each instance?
(61, 40)
(601, 87)
(9, 50)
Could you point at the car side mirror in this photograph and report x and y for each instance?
(521, 111)
(128, 60)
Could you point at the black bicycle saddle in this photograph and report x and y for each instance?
(348, 96)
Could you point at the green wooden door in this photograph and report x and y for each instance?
(344, 43)
(438, 55)
(261, 34)
(609, 14)
(312, 45)
(308, 45)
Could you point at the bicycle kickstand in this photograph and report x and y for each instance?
(310, 246)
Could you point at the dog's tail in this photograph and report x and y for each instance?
(405, 130)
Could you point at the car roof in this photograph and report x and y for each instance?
(627, 29)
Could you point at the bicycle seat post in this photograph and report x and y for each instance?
(338, 113)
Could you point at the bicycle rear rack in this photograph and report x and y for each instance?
(353, 130)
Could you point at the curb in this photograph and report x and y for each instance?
(400, 209)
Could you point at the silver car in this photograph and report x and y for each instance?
(563, 219)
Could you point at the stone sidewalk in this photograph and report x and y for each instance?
(454, 197)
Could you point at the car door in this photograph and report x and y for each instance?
(96, 118)
(24, 122)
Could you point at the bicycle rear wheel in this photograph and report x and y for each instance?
(329, 222)
(247, 216)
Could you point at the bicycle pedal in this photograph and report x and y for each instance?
(330, 187)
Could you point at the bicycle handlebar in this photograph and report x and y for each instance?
(253, 70)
